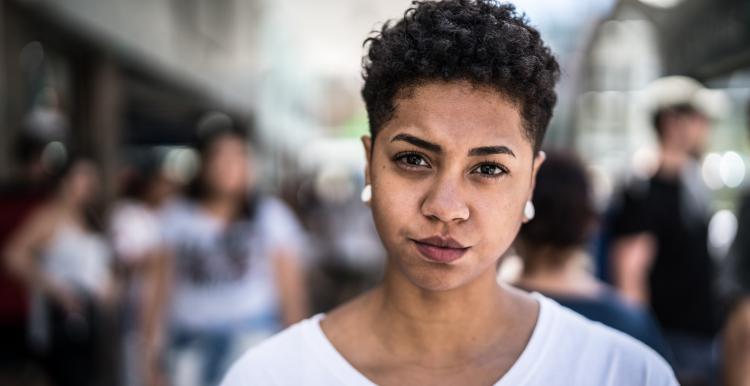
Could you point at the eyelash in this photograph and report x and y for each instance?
(503, 170)
(400, 158)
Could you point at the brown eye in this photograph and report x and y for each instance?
(490, 170)
(412, 160)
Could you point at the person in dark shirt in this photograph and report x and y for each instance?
(680, 283)
(553, 244)
(659, 243)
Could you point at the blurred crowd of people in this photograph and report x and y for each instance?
(166, 285)
(173, 280)
(642, 265)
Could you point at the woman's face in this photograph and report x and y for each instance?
(450, 174)
(226, 169)
(81, 183)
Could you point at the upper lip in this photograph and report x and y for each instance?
(442, 242)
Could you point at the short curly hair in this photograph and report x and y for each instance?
(484, 42)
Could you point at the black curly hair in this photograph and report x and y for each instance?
(484, 42)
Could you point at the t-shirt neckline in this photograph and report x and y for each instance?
(518, 374)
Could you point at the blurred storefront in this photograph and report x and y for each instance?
(641, 41)
(101, 79)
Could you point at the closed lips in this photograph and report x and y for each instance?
(439, 249)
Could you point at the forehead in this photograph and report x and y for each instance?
(458, 115)
(226, 141)
(83, 168)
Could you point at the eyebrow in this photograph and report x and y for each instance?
(490, 150)
(418, 142)
(435, 148)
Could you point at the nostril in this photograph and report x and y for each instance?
(446, 212)
(444, 202)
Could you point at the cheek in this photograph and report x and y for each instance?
(227, 172)
(236, 173)
(84, 187)
(395, 202)
(499, 222)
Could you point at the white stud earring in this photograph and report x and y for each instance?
(366, 195)
(529, 211)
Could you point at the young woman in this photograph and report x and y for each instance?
(236, 275)
(66, 263)
(459, 94)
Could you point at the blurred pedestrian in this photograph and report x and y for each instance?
(20, 195)
(555, 261)
(237, 269)
(659, 230)
(62, 257)
(138, 242)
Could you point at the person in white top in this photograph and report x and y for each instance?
(577, 352)
(237, 269)
(135, 230)
(459, 94)
(65, 261)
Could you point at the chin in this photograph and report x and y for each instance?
(435, 277)
(435, 283)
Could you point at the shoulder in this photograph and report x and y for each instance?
(600, 352)
(179, 218)
(271, 208)
(41, 224)
(606, 308)
(279, 224)
(623, 316)
(269, 362)
(177, 208)
(130, 216)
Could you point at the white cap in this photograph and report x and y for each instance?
(676, 90)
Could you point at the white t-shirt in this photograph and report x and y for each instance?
(224, 275)
(564, 349)
(135, 231)
(80, 258)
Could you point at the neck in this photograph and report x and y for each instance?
(222, 207)
(569, 275)
(672, 161)
(71, 211)
(67, 204)
(440, 326)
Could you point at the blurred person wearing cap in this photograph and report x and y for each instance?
(659, 254)
(553, 248)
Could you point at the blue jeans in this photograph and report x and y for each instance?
(213, 348)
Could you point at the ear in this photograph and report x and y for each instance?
(367, 143)
(538, 161)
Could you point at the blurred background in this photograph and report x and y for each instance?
(119, 119)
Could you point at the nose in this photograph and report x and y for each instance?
(445, 202)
